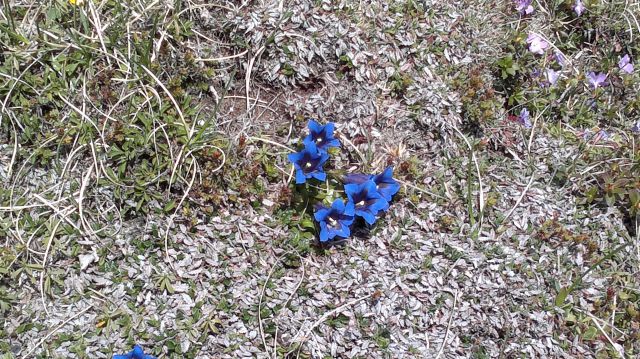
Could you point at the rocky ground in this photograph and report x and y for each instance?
(487, 251)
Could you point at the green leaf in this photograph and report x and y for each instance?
(610, 199)
(590, 334)
(169, 206)
(562, 296)
(307, 223)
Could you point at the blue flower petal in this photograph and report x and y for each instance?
(338, 205)
(314, 127)
(320, 176)
(346, 222)
(368, 217)
(309, 141)
(324, 232)
(295, 157)
(329, 128)
(385, 184)
(344, 231)
(350, 209)
(350, 189)
(356, 178)
(379, 205)
(300, 177)
(136, 353)
(388, 190)
(321, 214)
(311, 147)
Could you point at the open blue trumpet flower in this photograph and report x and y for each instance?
(385, 184)
(335, 220)
(308, 163)
(321, 136)
(366, 199)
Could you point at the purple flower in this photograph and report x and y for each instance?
(636, 128)
(537, 44)
(625, 64)
(368, 202)
(308, 163)
(535, 73)
(321, 136)
(552, 76)
(136, 353)
(335, 220)
(603, 135)
(597, 80)
(524, 7)
(579, 7)
(523, 118)
(560, 59)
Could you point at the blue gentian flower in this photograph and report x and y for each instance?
(385, 184)
(321, 136)
(308, 163)
(368, 202)
(335, 220)
(136, 353)
(636, 128)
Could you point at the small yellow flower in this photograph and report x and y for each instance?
(76, 2)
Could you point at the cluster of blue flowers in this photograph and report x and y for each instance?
(308, 162)
(367, 195)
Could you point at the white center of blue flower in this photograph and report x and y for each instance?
(308, 165)
(361, 203)
(332, 222)
(319, 139)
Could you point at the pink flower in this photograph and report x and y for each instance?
(579, 8)
(524, 7)
(537, 44)
(552, 76)
(625, 64)
(597, 80)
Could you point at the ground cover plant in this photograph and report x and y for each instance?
(381, 179)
